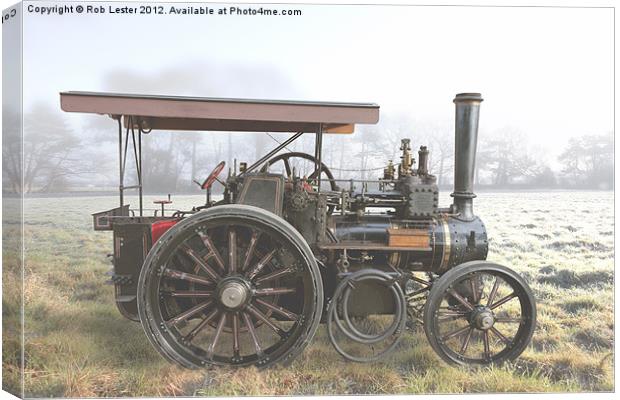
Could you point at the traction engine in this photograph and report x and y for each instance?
(248, 278)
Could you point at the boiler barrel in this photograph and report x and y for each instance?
(451, 241)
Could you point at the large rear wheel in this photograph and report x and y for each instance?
(233, 285)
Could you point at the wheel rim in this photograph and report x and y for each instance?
(483, 317)
(231, 292)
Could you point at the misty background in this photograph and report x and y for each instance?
(546, 76)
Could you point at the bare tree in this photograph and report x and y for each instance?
(588, 161)
(11, 152)
(49, 146)
(371, 155)
(506, 157)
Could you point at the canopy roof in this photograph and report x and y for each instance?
(221, 114)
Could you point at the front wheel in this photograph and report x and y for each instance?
(233, 285)
(479, 313)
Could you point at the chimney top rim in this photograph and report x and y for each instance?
(461, 97)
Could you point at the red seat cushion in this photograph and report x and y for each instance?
(160, 227)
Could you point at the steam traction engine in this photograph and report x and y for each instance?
(247, 279)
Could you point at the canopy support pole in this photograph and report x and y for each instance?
(120, 161)
(140, 156)
(318, 150)
(122, 157)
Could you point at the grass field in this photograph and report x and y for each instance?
(78, 345)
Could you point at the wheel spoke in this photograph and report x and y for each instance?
(493, 291)
(211, 247)
(275, 274)
(184, 276)
(188, 313)
(252, 331)
(258, 314)
(500, 335)
(447, 318)
(261, 264)
(202, 264)
(250, 252)
(485, 341)
(205, 321)
(216, 337)
(455, 333)
(273, 291)
(235, 329)
(503, 301)
(232, 251)
(451, 314)
(473, 281)
(466, 340)
(189, 293)
(279, 310)
(461, 299)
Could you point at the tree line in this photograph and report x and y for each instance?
(505, 159)
(59, 158)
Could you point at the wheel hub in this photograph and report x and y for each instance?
(482, 318)
(233, 293)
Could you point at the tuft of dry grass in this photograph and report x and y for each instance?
(565, 278)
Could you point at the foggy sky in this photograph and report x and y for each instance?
(546, 72)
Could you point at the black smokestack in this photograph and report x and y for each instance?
(466, 138)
